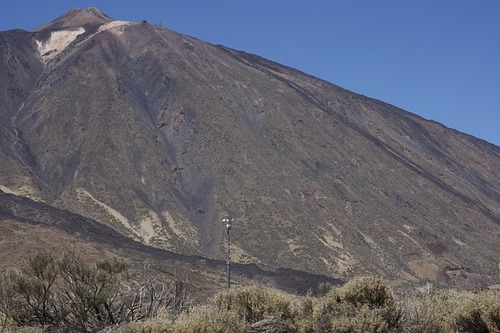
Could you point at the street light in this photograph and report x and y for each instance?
(228, 222)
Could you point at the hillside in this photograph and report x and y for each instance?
(158, 136)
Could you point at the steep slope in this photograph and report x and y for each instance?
(159, 135)
(48, 229)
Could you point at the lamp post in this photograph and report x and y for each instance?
(228, 222)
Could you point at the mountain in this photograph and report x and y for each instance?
(158, 136)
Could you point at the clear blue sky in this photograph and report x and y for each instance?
(437, 58)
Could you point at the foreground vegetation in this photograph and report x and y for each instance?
(67, 295)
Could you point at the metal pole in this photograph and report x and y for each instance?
(228, 277)
(228, 222)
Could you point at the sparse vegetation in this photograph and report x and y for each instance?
(67, 295)
(254, 303)
(362, 305)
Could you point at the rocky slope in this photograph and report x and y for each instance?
(158, 135)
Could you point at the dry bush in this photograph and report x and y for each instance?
(371, 291)
(92, 293)
(271, 325)
(27, 296)
(415, 317)
(482, 314)
(23, 330)
(254, 303)
(305, 314)
(157, 325)
(437, 310)
(426, 314)
(68, 295)
(362, 305)
(210, 319)
(203, 319)
(451, 311)
(361, 319)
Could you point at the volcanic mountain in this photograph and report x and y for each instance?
(159, 136)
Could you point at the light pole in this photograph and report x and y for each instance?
(228, 222)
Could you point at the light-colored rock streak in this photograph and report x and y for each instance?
(114, 213)
(58, 41)
(24, 190)
(114, 26)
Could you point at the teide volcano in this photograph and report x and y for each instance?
(159, 135)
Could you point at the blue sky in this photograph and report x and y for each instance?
(439, 59)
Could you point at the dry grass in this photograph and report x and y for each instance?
(210, 319)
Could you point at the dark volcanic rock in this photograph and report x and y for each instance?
(159, 135)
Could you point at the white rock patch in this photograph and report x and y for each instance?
(60, 40)
(57, 42)
(115, 26)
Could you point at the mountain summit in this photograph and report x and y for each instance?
(159, 136)
(77, 17)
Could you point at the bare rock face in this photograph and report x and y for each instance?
(159, 136)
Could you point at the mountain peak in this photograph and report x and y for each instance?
(77, 17)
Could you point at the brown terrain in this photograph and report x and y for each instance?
(128, 137)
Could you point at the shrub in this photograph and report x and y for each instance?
(68, 295)
(482, 314)
(415, 317)
(371, 291)
(148, 326)
(363, 319)
(362, 305)
(254, 303)
(436, 311)
(209, 319)
(451, 311)
(27, 294)
(92, 293)
(304, 314)
(322, 289)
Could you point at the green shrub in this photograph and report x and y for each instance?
(209, 319)
(451, 311)
(436, 311)
(482, 314)
(304, 314)
(344, 318)
(362, 305)
(254, 303)
(363, 319)
(27, 294)
(371, 291)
